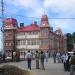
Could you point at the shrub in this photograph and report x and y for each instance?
(12, 70)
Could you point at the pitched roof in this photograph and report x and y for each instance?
(31, 27)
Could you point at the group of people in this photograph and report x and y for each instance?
(62, 58)
(16, 56)
(39, 59)
(67, 60)
(57, 57)
(72, 64)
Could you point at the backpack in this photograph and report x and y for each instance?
(29, 56)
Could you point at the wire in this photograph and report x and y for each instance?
(35, 17)
(40, 18)
(5, 4)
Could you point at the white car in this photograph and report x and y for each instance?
(71, 53)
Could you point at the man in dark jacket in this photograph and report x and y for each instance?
(42, 57)
(72, 64)
(37, 59)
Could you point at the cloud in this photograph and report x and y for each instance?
(25, 3)
(53, 8)
(60, 4)
(46, 5)
(67, 25)
(54, 5)
(35, 8)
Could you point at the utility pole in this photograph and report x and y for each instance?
(2, 11)
(2, 4)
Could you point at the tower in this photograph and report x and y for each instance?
(44, 25)
(44, 33)
(9, 26)
(44, 21)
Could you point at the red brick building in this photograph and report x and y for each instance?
(32, 37)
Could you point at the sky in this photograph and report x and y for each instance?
(28, 11)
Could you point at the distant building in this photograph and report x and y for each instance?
(32, 37)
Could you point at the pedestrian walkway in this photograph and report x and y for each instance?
(53, 69)
(50, 68)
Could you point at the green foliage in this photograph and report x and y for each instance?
(73, 35)
(69, 41)
(12, 70)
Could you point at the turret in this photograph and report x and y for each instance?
(9, 27)
(44, 21)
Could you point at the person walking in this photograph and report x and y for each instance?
(37, 59)
(46, 56)
(67, 62)
(58, 56)
(72, 64)
(65, 58)
(29, 59)
(17, 56)
(42, 57)
(54, 57)
(4, 57)
(14, 56)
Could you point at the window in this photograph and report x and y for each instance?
(44, 41)
(10, 44)
(6, 44)
(44, 30)
(6, 34)
(33, 42)
(37, 42)
(35, 32)
(21, 33)
(28, 42)
(29, 33)
(18, 42)
(24, 42)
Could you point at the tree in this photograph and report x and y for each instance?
(73, 35)
(69, 41)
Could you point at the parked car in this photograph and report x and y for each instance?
(9, 58)
(71, 53)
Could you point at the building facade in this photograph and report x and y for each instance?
(32, 37)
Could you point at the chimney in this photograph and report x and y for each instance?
(21, 25)
(34, 23)
(51, 29)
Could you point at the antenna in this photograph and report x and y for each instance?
(44, 11)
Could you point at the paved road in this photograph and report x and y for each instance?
(50, 68)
